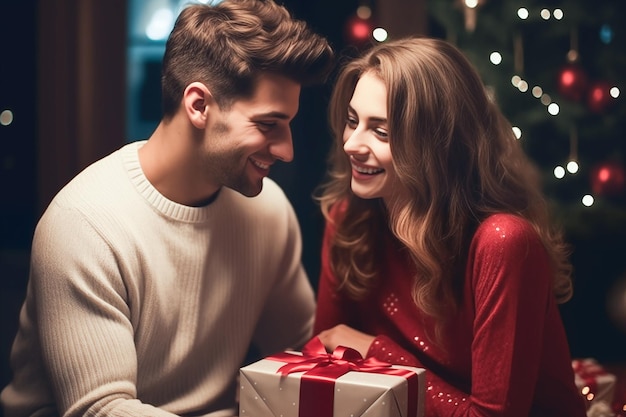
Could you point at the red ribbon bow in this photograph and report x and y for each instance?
(322, 369)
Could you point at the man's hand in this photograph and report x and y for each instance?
(342, 335)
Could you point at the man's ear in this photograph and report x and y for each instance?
(197, 99)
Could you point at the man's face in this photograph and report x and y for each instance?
(242, 142)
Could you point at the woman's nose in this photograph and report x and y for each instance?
(354, 142)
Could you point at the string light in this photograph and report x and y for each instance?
(614, 92)
(559, 172)
(522, 86)
(553, 108)
(572, 167)
(495, 58)
(379, 34)
(522, 12)
(587, 200)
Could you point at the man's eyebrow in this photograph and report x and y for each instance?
(274, 114)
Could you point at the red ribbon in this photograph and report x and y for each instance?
(321, 369)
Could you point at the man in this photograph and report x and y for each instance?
(156, 269)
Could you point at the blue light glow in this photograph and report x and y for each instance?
(606, 34)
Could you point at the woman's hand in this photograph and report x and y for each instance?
(342, 335)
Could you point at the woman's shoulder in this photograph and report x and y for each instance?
(505, 230)
(506, 248)
(502, 223)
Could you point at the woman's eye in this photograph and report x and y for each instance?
(351, 121)
(381, 133)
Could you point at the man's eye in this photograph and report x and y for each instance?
(266, 125)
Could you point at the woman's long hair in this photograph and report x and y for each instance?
(459, 162)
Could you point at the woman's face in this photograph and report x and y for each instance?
(366, 140)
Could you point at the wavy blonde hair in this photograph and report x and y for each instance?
(458, 161)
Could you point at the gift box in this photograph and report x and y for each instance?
(314, 383)
(595, 383)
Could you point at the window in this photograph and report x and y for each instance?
(149, 25)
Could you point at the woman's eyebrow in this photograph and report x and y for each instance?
(373, 119)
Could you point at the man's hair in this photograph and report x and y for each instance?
(228, 45)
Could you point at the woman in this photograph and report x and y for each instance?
(438, 251)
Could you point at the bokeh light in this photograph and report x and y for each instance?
(6, 117)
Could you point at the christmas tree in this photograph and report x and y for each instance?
(557, 70)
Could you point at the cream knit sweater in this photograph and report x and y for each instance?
(138, 306)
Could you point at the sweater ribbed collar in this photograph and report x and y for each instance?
(169, 208)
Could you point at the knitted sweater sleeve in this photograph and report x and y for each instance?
(80, 295)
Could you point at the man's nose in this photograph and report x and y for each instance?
(282, 147)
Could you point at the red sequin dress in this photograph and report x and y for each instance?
(504, 354)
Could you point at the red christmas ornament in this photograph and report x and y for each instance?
(608, 179)
(358, 31)
(572, 82)
(598, 97)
